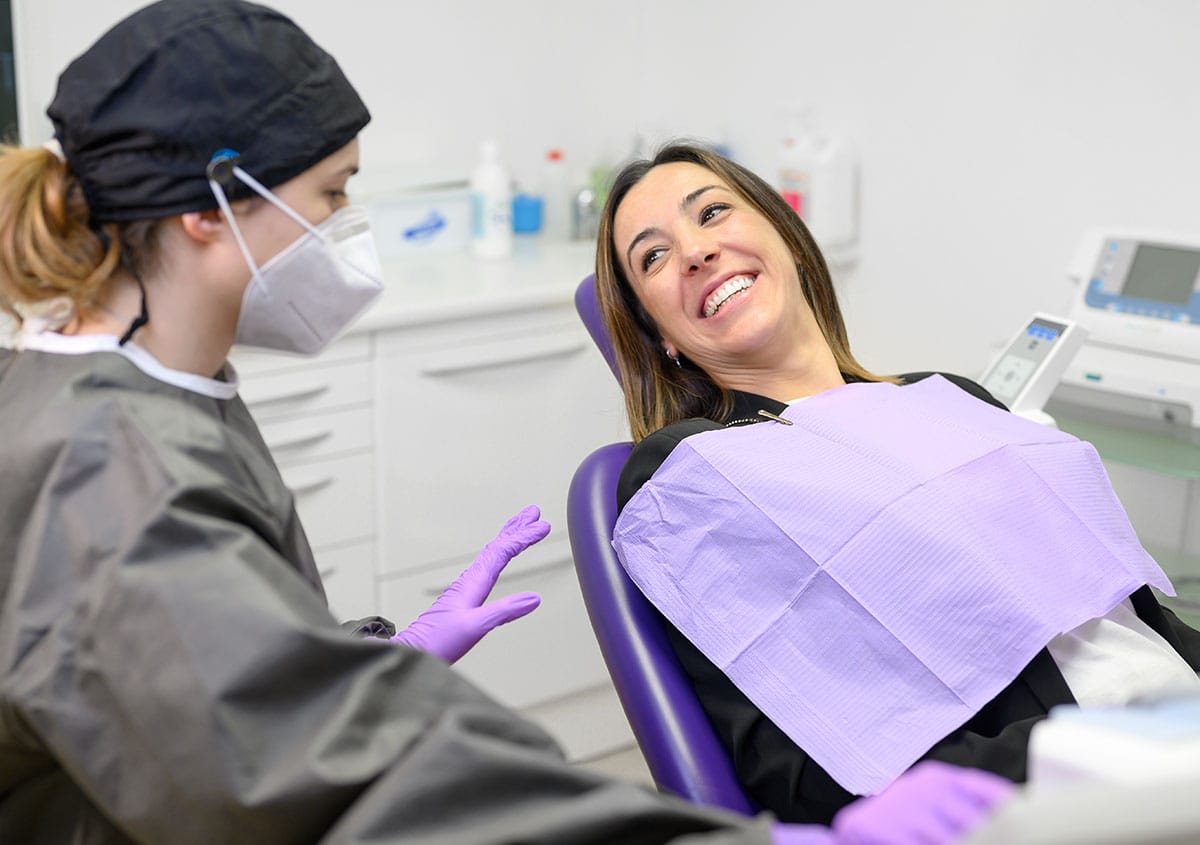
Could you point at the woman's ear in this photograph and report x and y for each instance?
(203, 226)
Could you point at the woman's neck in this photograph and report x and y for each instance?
(805, 373)
(178, 332)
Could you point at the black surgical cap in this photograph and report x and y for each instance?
(140, 114)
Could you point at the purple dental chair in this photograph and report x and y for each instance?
(675, 736)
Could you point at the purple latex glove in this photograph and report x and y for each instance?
(800, 834)
(459, 618)
(931, 803)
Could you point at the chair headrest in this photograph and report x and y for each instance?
(589, 311)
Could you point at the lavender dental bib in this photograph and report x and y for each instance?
(875, 573)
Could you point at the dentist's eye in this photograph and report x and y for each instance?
(649, 257)
(710, 211)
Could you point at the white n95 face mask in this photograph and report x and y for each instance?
(304, 297)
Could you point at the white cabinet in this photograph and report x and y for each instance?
(482, 417)
(479, 417)
(316, 416)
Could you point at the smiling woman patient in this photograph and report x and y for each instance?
(854, 566)
(741, 315)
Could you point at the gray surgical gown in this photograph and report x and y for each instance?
(169, 671)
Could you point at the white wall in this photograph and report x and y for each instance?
(992, 132)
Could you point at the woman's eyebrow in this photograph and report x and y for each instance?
(638, 238)
(683, 206)
(695, 195)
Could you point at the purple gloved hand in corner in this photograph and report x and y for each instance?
(933, 803)
(459, 618)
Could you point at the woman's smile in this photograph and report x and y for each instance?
(726, 292)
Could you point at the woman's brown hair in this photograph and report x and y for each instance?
(658, 393)
(48, 247)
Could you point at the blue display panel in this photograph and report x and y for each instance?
(1148, 280)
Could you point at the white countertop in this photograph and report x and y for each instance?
(431, 288)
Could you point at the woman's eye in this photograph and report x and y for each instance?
(650, 257)
(710, 211)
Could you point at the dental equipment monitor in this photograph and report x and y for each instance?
(1026, 372)
(1139, 299)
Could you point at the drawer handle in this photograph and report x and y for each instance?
(301, 441)
(311, 486)
(475, 363)
(507, 579)
(289, 396)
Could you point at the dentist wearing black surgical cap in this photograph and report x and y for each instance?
(169, 671)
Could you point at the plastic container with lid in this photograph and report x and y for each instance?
(818, 177)
(556, 198)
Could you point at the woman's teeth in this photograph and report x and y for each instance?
(722, 294)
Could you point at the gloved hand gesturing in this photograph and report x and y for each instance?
(459, 618)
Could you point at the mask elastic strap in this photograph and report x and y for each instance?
(258, 188)
(222, 165)
(223, 202)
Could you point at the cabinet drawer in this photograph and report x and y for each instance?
(315, 388)
(348, 573)
(251, 362)
(503, 423)
(334, 498)
(305, 438)
(546, 655)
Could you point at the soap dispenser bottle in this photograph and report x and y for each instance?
(491, 205)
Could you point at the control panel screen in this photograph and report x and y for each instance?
(1021, 359)
(1162, 274)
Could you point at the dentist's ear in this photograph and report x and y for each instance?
(203, 226)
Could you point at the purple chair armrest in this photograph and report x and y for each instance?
(681, 748)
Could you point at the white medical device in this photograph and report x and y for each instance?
(1026, 372)
(1139, 299)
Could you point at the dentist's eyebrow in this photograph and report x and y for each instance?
(645, 233)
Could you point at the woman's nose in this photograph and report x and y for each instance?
(697, 251)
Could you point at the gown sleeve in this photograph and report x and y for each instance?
(193, 688)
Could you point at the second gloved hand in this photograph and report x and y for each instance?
(459, 618)
(933, 803)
